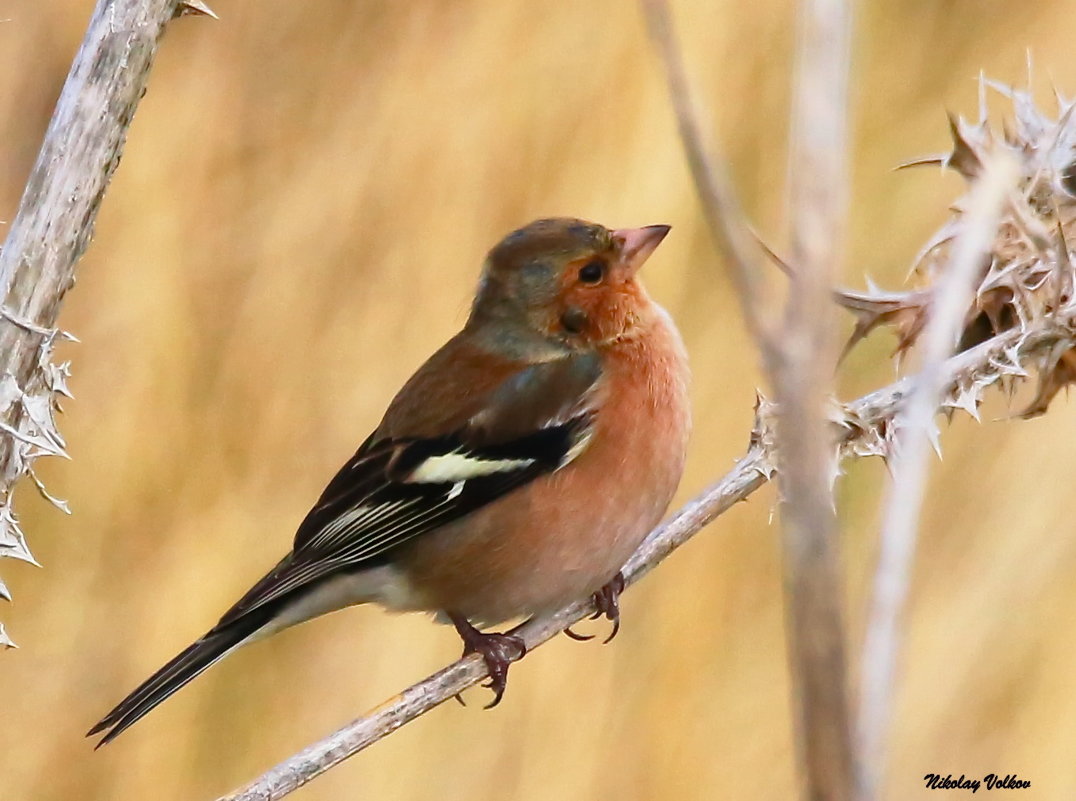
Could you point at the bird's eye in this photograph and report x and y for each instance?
(592, 272)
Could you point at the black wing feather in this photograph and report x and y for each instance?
(181, 669)
(397, 509)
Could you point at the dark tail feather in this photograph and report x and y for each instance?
(181, 669)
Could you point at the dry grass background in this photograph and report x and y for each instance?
(306, 197)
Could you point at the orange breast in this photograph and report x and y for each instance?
(564, 535)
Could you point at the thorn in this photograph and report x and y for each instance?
(963, 159)
(1063, 267)
(12, 539)
(59, 503)
(937, 160)
(194, 8)
(966, 400)
(943, 236)
(934, 435)
(782, 265)
(23, 323)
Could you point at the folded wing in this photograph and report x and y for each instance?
(396, 489)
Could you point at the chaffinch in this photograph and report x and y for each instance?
(514, 473)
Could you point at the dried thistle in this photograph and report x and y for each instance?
(1029, 275)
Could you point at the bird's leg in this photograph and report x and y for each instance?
(497, 650)
(606, 603)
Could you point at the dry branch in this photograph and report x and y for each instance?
(1001, 262)
(52, 228)
(953, 294)
(803, 384)
(799, 362)
(864, 427)
(720, 208)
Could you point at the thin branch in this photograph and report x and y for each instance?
(799, 363)
(952, 296)
(749, 474)
(865, 421)
(818, 188)
(720, 208)
(54, 223)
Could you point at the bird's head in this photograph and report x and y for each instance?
(570, 281)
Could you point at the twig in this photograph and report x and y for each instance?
(749, 474)
(720, 208)
(952, 296)
(799, 362)
(55, 221)
(804, 384)
(865, 421)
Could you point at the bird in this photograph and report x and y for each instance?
(515, 472)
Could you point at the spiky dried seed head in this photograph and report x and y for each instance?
(1029, 274)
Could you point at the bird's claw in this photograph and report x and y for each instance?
(498, 651)
(606, 604)
(578, 637)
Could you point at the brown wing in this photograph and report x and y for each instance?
(398, 487)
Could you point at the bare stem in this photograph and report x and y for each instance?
(799, 362)
(952, 296)
(720, 208)
(864, 420)
(54, 224)
(803, 382)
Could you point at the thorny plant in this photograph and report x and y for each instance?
(1027, 281)
(51, 230)
(35, 435)
(1025, 285)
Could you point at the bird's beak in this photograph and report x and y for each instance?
(636, 244)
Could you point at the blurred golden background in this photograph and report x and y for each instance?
(306, 196)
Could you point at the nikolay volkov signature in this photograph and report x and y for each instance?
(992, 781)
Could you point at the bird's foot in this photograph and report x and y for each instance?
(497, 650)
(606, 604)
